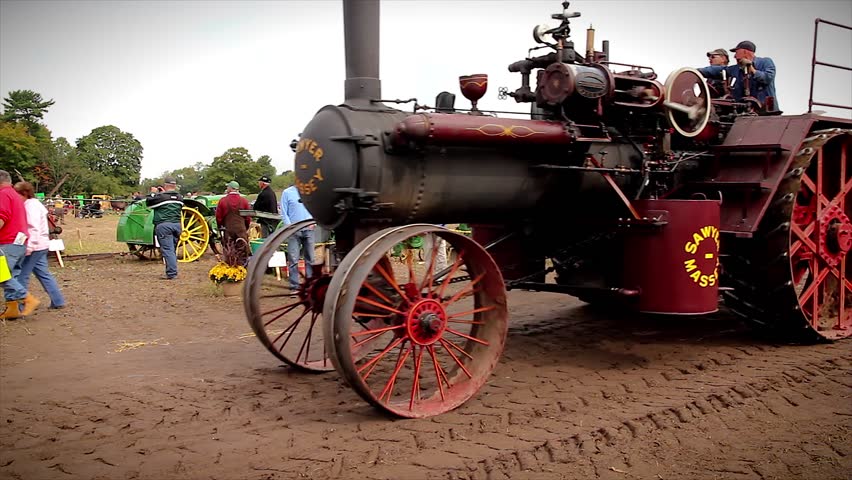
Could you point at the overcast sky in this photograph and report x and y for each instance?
(190, 79)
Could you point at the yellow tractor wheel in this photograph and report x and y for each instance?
(194, 236)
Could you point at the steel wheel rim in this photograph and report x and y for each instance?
(194, 236)
(412, 374)
(290, 327)
(820, 232)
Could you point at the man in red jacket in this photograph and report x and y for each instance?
(228, 218)
(13, 244)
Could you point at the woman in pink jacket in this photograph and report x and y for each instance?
(36, 259)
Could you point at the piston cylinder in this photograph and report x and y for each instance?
(675, 266)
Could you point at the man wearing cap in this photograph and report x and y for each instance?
(753, 76)
(228, 217)
(718, 57)
(266, 202)
(167, 206)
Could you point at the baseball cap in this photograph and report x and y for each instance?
(718, 51)
(746, 45)
(233, 184)
(170, 181)
(264, 178)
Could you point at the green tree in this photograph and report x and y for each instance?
(27, 107)
(18, 149)
(237, 164)
(190, 179)
(113, 153)
(283, 181)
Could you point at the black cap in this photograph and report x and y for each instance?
(745, 44)
(170, 181)
(265, 179)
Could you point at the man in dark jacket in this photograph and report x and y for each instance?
(167, 206)
(266, 202)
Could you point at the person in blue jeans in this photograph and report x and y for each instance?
(302, 242)
(167, 206)
(13, 240)
(37, 246)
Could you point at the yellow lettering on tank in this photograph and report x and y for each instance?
(700, 263)
(312, 147)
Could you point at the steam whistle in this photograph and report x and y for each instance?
(473, 87)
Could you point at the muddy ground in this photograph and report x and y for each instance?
(141, 378)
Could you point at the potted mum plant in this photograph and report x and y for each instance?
(230, 271)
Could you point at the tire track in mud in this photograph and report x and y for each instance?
(566, 392)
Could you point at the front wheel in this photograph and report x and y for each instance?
(412, 340)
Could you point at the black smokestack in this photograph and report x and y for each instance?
(361, 35)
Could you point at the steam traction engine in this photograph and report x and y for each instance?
(669, 197)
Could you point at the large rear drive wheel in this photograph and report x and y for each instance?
(794, 278)
(411, 340)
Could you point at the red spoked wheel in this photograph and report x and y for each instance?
(820, 240)
(794, 278)
(416, 340)
(288, 322)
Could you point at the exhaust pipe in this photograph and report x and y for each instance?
(361, 37)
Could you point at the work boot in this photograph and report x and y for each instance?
(13, 310)
(30, 305)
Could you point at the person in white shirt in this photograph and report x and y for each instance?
(37, 246)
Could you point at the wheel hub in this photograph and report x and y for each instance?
(184, 235)
(426, 322)
(835, 235)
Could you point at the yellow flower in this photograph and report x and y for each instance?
(222, 272)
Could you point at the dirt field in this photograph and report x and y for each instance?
(140, 378)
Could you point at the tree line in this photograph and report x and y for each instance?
(107, 161)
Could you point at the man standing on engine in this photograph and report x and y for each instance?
(167, 206)
(753, 76)
(719, 57)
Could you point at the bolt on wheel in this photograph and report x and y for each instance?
(416, 340)
(288, 322)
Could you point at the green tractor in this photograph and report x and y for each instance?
(136, 228)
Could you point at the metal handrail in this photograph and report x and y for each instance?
(815, 62)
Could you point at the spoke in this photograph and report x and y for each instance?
(475, 310)
(391, 281)
(449, 276)
(446, 342)
(439, 372)
(400, 361)
(291, 328)
(376, 330)
(807, 241)
(377, 293)
(378, 305)
(306, 344)
(368, 339)
(284, 311)
(374, 361)
(817, 280)
(469, 290)
(469, 322)
(417, 358)
(458, 362)
(472, 339)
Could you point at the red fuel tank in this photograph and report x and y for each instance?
(676, 266)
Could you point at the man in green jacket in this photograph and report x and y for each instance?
(167, 207)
